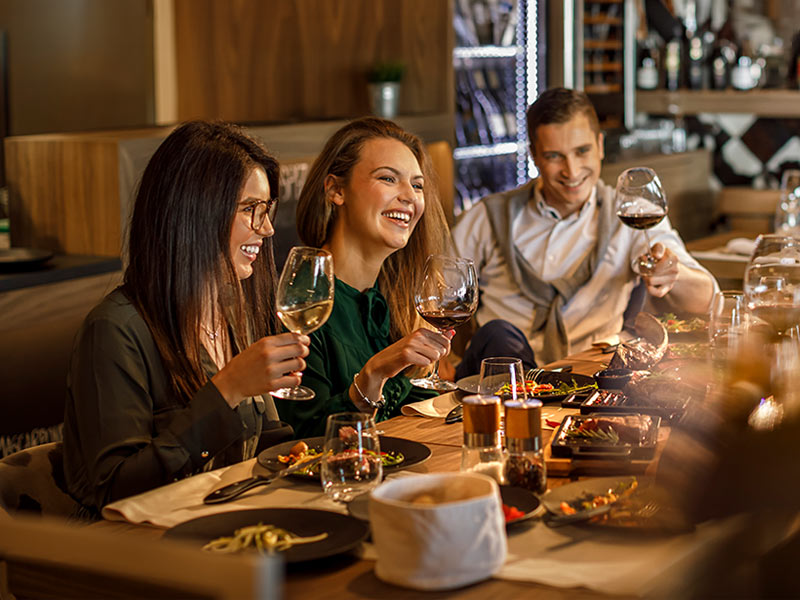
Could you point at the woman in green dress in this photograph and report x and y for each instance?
(170, 373)
(371, 200)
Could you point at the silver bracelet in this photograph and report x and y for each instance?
(371, 403)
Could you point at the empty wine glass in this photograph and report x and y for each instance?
(772, 282)
(727, 324)
(305, 300)
(352, 462)
(641, 204)
(502, 377)
(447, 297)
(787, 214)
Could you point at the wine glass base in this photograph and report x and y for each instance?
(440, 385)
(298, 393)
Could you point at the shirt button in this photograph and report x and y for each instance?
(551, 258)
(204, 454)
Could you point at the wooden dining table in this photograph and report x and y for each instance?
(348, 576)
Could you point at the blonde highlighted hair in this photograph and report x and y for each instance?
(402, 271)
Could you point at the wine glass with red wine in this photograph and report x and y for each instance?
(446, 298)
(641, 204)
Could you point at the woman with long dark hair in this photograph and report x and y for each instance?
(371, 200)
(170, 373)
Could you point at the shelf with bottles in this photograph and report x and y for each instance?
(775, 103)
(486, 108)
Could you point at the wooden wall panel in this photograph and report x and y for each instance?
(63, 193)
(282, 60)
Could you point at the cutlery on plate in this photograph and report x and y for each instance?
(455, 415)
(234, 490)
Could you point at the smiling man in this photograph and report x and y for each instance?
(555, 264)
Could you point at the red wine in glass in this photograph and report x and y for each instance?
(641, 204)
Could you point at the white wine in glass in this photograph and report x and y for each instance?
(305, 300)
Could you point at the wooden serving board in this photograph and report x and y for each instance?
(567, 467)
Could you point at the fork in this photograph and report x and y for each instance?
(533, 374)
(648, 510)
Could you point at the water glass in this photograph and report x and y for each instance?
(502, 377)
(728, 322)
(352, 464)
(787, 214)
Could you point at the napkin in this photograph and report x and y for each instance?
(168, 505)
(612, 562)
(438, 406)
(744, 246)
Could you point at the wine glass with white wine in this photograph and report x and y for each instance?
(305, 300)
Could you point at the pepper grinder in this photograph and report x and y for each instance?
(482, 451)
(524, 466)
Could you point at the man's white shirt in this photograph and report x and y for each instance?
(555, 247)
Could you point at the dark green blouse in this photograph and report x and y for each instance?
(124, 430)
(357, 329)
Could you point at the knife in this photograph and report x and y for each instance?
(234, 490)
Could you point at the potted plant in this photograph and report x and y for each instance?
(384, 87)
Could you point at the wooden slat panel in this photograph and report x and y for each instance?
(56, 192)
(273, 60)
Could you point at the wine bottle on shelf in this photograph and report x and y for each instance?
(505, 100)
(494, 113)
(672, 64)
(473, 108)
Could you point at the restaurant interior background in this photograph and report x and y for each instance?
(91, 87)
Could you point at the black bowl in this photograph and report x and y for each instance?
(612, 379)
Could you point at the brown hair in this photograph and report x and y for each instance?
(559, 105)
(403, 270)
(179, 245)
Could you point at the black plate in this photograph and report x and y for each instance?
(566, 493)
(517, 497)
(554, 378)
(344, 532)
(22, 258)
(414, 453)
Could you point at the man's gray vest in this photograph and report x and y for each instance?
(548, 297)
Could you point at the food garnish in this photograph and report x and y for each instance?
(676, 325)
(588, 500)
(389, 459)
(545, 389)
(268, 539)
(609, 430)
(512, 513)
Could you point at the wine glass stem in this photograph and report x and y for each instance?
(647, 239)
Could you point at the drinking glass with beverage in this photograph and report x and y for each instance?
(502, 377)
(305, 300)
(727, 324)
(772, 283)
(641, 204)
(446, 298)
(352, 462)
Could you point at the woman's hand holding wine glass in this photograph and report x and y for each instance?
(448, 296)
(304, 300)
(266, 365)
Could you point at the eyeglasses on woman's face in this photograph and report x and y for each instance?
(261, 210)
